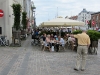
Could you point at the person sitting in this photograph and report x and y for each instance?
(51, 36)
(43, 38)
(71, 38)
(48, 42)
(71, 42)
(65, 37)
(53, 43)
(60, 41)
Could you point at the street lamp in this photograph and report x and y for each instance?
(33, 18)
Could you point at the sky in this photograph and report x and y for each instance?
(50, 9)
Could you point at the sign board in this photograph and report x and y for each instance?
(1, 13)
(93, 23)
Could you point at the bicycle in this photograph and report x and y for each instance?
(4, 41)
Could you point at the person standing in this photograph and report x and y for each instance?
(82, 50)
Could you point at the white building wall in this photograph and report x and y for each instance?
(27, 6)
(84, 17)
(7, 21)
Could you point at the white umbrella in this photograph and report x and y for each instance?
(62, 22)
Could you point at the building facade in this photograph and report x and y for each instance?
(7, 21)
(27, 9)
(84, 16)
(33, 18)
(96, 18)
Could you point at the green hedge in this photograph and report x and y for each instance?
(77, 32)
(94, 35)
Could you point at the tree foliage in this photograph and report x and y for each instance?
(24, 20)
(17, 14)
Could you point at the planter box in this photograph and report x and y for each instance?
(16, 38)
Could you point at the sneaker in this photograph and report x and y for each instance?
(76, 69)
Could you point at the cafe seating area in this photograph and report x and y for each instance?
(57, 43)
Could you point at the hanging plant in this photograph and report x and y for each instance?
(24, 20)
(17, 14)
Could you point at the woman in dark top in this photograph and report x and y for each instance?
(44, 37)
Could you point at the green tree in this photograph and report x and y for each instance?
(17, 14)
(24, 20)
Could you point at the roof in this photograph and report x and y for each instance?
(85, 11)
(95, 13)
(73, 17)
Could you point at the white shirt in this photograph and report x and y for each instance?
(69, 39)
(62, 41)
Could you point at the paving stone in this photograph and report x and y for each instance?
(31, 60)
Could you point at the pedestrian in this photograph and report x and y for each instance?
(82, 50)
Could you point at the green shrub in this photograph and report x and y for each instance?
(24, 20)
(17, 13)
(77, 32)
(94, 35)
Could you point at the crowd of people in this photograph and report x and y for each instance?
(52, 41)
(57, 40)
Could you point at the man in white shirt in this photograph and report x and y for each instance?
(61, 42)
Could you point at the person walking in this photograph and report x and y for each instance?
(82, 50)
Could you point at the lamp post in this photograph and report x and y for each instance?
(34, 20)
(33, 17)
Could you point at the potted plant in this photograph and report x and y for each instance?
(16, 27)
(24, 24)
(94, 36)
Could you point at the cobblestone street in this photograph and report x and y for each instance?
(31, 60)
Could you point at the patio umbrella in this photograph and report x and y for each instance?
(62, 22)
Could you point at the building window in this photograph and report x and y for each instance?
(0, 30)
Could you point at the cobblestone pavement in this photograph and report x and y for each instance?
(31, 60)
